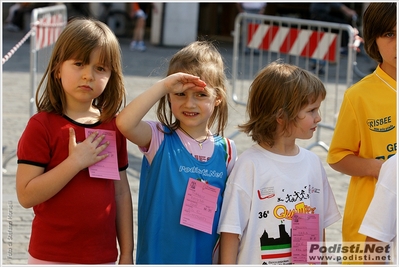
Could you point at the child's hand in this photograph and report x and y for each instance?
(180, 82)
(87, 152)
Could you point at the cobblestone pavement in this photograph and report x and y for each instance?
(141, 71)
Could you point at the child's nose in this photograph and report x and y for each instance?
(88, 73)
(190, 101)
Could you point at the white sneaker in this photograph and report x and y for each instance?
(133, 45)
(140, 46)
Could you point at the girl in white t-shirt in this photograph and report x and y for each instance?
(275, 179)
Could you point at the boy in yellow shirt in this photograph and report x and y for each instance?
(365, 133)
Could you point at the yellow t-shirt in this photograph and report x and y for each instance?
(366, 127)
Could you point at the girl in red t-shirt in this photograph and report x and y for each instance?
(78, 218)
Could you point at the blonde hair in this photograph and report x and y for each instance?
(200, 58)
(79, 38)
(279, 91)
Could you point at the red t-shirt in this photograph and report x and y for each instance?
(77, 225)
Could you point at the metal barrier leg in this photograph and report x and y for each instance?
(318, 142)
(7, 159)
(233, 135)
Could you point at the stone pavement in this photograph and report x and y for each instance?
(141, 70)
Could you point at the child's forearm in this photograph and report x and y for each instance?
(324, 262)
(34, 186)
(129, 120)
(356, 166)
(124, 219)
(228, 248)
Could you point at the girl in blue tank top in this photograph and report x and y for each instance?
(185, 166)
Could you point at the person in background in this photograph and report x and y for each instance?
(79, 218)
(331, 12)
(15, 21)
(180, 152)
(380, 222)
(276, 178)
(365, 133)
(9, 26)
(334, 12)
(250, 8)
(138, 14)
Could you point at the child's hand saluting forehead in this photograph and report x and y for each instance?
(180, 82)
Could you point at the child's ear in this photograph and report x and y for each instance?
(218, 101)
(280, 116)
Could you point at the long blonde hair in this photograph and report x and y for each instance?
(200, 58)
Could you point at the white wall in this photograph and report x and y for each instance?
(180, 23)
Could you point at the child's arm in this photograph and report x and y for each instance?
(129, 121)
(377, 261)
(124, 219)
(324, 262)
(35, 186)
(356, 166)
(228, 248)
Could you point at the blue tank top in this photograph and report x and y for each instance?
(161, 238)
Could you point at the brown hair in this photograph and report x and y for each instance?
(378, 19)
(79, 38)
(200, 58)
(279, 91)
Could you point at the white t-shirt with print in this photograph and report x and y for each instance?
(262, 193)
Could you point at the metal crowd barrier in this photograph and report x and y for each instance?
(46, 25)
(312, 45)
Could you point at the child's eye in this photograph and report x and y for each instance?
(100, 68)
(389, 34)
(179, 94)
(202, 95)
(78, 63)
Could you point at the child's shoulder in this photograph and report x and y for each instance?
(254, 151)
(368, 85)
(310, 154)
(45, 117)
(227, 144)
(367, 82)
(219, 138)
